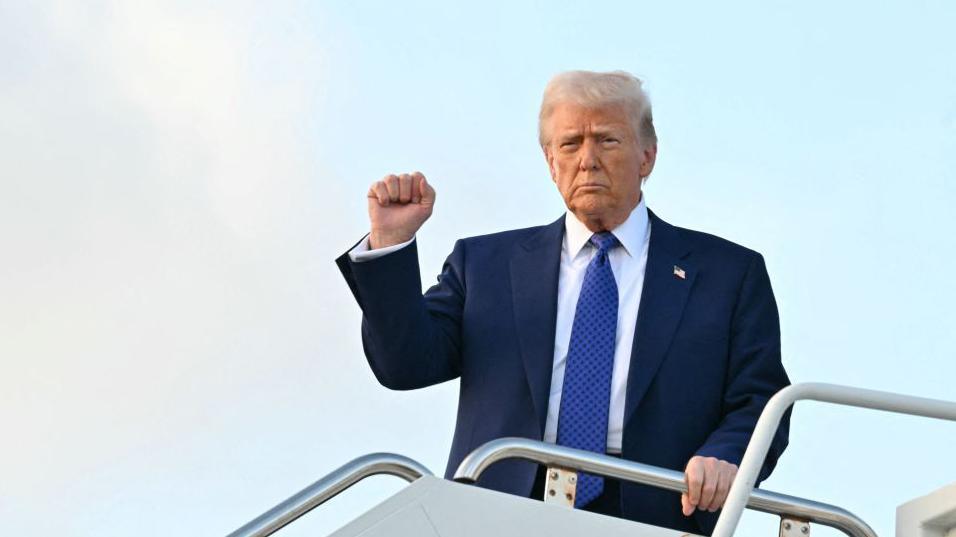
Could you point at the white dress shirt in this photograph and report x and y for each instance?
(362, 251)
(628, 262)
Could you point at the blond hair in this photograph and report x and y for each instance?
(594, 90)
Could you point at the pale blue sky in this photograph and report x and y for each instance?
(179, 352)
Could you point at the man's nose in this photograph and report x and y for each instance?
(589, 157)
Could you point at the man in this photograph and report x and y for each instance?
(608, 329)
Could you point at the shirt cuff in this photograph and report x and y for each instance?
(362, 251)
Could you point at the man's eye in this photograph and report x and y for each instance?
(611, 140)
(568, 144)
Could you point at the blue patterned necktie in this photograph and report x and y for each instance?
(586, 393)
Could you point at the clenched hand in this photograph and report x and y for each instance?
(398, 205)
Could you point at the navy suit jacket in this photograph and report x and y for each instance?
(705, 360)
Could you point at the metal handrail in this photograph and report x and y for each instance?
(769, 421)
(491, 452)
(324, 489)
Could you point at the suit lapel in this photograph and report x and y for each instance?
(534, 283)
(663, 298)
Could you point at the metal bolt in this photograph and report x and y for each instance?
(554, 475)
(805, 530)
(568, 496)
(786, 526)
(572, 480)
(552, 492)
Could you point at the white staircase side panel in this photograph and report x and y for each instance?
(933, 515)
(435, 507)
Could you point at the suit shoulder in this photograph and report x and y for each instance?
(500, 239)
(716, 248)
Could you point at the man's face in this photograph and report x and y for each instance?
(596, 162)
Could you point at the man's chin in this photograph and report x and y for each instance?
(591, 205)
(595, 218)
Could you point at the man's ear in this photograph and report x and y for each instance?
(650, 157)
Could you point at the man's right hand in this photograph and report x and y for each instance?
(398, 205)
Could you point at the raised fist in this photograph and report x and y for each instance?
(398, 205)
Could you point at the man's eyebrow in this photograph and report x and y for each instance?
(599, 132)
(570, 135)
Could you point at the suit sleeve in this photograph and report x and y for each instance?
(755, 372)
(410, 340)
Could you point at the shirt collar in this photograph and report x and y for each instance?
(630, 233)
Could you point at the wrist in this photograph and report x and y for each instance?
(378, 239)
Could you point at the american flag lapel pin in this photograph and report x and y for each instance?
(679, 272)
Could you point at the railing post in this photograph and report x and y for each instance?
(766, 427)
(328, 487)
(551, 455)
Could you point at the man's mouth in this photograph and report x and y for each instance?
(591, 187)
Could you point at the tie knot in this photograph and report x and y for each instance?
(604, 241)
